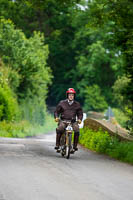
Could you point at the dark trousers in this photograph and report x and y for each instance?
(60, 129)
(62, 125)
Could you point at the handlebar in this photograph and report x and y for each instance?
(68, 121)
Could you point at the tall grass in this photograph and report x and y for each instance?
(24, 128)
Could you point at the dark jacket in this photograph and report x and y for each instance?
(68, 112)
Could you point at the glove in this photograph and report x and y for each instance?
(79, 121)
(56, 119)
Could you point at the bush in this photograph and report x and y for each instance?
(97, 141)
(120, 117)
(102, 142)
(24, 128)
(8, 105)
(14, 129)
(9, 109)
(122, 151)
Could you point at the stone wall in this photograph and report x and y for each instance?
(112, 129)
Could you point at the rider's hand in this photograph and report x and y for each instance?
(79, 121)
(56, 119)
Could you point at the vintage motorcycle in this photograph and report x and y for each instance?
(66, 141)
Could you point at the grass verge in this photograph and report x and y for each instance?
(102, 142)
(25, 128)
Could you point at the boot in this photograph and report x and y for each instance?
(57, 141)
(76, 138)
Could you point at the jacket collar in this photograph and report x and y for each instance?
(70, 102)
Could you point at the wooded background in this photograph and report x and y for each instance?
(48, 46)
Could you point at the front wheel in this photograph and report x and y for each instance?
(68, 146)
(63, 144)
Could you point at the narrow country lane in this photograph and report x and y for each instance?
(30, 169)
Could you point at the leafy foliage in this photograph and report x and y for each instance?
(8, 104)
(102, 142)
(118, 13)
(94, 100)
(29, 75)
(121, 117)
(119, 86)
(8, 107)
(87, 45)
(79, 56)
(24, 128)
(14, 129)
(27, 57)
(98, 141)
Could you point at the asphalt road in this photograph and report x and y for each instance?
(30, 169)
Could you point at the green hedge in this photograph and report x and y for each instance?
(102, 142)
(8, 105)
(14, 129)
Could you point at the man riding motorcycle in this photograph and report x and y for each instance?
(68, 110)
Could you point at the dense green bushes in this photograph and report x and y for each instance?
(102, 142)
(28, 58)
(9, 109)
(120, 117)
(24, 80)
(93, 36)
(8, 105)
(79, 55)
(14, 129)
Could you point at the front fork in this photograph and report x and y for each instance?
(68, 140)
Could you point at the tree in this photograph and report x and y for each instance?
(94, 101)
(29, 74)
(79, 53)
(119, 13)
(99, 61)
(54, 20)
(28, 58)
